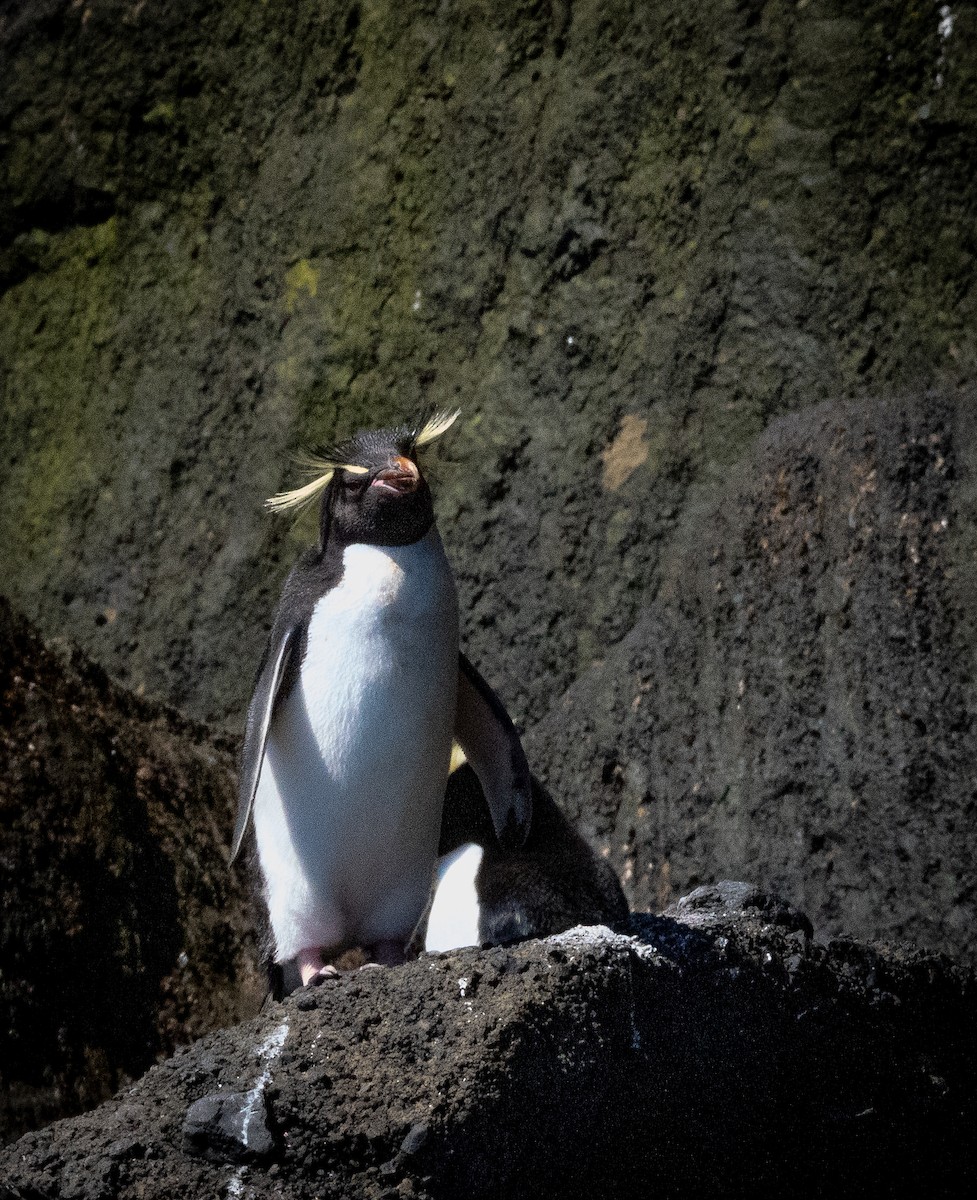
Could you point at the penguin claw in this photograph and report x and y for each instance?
(322, 975)
(312, 970)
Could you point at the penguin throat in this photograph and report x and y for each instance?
(400, 522)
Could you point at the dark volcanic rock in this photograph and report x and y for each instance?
(716, 1051)
(624, 237)
(796, 704)
(229, 1127)
(122, 932)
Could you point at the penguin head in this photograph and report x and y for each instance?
(372, 489)
(379, 496)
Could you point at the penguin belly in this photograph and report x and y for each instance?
(348, 805)
(456, 911)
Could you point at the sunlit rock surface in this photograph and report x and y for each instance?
(712, 1050)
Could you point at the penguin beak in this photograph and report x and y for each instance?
(402, 476)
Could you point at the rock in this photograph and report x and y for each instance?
(719, 1050)
(626, 238)
(714, 902)
(796, 705)
(122, 931)
(229, 1127)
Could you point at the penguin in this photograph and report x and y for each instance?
(489, 893)
(360, 694)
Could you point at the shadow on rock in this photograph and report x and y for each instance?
(122, 933)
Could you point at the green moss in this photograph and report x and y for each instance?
(302, 279)
(163, 113)
(74, 423)
(51, 326)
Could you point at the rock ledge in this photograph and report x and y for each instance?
(715, 1047)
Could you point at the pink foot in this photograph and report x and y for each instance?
(311, 967)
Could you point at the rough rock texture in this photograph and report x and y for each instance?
(798, 700)
(643, 246)
(122, 932)
(713, 1050)
(701, 277)
(624, 237)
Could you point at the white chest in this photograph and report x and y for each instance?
(349, 799)
(380, 643)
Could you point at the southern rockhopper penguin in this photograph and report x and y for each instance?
(360, 693)
(489, 893)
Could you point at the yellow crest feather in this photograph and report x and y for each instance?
(435, 425)
(324, 468)
(301, 496)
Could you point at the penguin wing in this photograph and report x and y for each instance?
(488, 737)
(260, 712)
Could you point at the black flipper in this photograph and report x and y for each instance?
(259, 718)
(485, 732)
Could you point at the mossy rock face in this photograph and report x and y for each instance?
(648, 250)
(623, 238)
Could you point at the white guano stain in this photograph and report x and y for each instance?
(266, 1053)
(235, 1185)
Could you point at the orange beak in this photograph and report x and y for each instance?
(402, 476)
